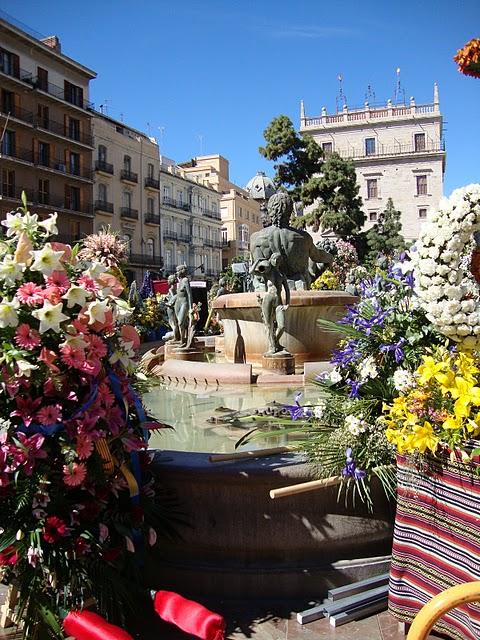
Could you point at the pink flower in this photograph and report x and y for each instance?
(30, 449)
(66, 248)
(49, 414)
(53, 294)
(91, 366)
(129, 334)
(26, 337)
(9, 556)
(88, 283)
(58, 279)
(30, 294)
(74, 474)
(54, 529)
(72, 357)
(48, 357)
(26, 409)
(96, 346)
(84, 446)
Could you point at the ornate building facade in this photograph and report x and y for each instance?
(398, 152)
(46, 132)
(127, 190)
(191, 223)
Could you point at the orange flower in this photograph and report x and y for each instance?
(468, 58)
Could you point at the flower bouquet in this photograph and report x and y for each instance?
(78, 507)
(468, 58)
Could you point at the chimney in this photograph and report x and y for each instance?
(53, 42)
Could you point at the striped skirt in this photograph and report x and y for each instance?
(436, 542)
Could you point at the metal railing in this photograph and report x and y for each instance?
(106, 167)
(138, 258)
(12, 151)
(42, 199)
(128, 176)
(102, 205)
(18, 113)
(60, 93)
(170, 235)
(152, 218)
(19, 74)
(171, 202)
(61, 129)
(396, 150)
(217, 244)
(128, 212)
(152, 183)
(210, 213)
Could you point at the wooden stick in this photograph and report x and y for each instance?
(242, 455)
(303, 487)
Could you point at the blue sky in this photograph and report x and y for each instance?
(207, 76)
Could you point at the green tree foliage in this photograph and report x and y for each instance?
(385, 237)
(330, 185)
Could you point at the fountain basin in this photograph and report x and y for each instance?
(244, 332)
(242, 544)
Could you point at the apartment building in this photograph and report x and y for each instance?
(127, 189)
(240, 213)
(191, 222)
(45, 130)
(398, 151)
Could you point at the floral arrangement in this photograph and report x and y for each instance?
(444, 286)
(439, 409)
(468, 58)
(105, 247)
(328, 280)
(79, 506)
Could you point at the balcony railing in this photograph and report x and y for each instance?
(59, 165)
(105, 167)
(151, 183)
(182, 237)
(60, 93)
(217, 244)
(396, 150)
(12, 151)
(19, 74)
(128, 176)
(171, 202)
(138, 258)
(210, 213)
(101, 205)
(60, 129)
(42, 199)
(127, 212)
(170, 235)
(152, 218)
(18, 113)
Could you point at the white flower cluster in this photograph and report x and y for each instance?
(319, 408)
(356, 425)
(368, 369)
(403, 380)
(439, 266)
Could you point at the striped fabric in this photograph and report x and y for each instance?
(436, 542)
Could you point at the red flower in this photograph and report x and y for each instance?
(8, 556)
(54, 529)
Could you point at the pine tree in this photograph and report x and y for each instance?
(385, 237)
(328, 186)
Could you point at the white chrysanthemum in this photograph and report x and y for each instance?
(368, 369)
(403, 380)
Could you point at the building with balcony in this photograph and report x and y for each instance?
(191, 222)
(239, 212)
(126, 190)
(398, 152)
(46, 134)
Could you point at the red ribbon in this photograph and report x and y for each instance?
(189, 616)
(86, 625)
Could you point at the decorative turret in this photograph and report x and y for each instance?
(260, 187)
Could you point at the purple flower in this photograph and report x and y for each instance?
(296, 410)
(350, 469)
(354, 388)
(347, 355)
(396, 348)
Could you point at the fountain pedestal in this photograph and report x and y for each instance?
(194, 353)
(244, 331)
(279, 364)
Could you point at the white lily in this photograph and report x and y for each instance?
(25, 368)
(8, 313)
(96, 311)
(10, 271)
(76, 295)
(46, 260)
(50, 224)
(50, 316)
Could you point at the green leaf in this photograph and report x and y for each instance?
(24, 199)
